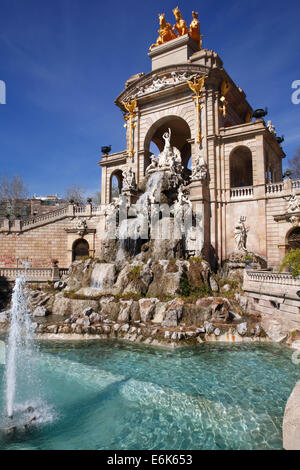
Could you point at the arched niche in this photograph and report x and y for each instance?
(116, 183)
(241, 171)
(80, 249)
(180, 135)
(293, 239)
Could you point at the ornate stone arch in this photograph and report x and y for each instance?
(292, 238)
(80, 249)
(119, 179)
(180, 135)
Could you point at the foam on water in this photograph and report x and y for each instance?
(23, 401)
(103, 276)
(20, 350)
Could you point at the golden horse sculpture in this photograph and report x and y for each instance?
(194, 31)
(165, 32)
(181, 24)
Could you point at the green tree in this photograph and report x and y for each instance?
(292, 261)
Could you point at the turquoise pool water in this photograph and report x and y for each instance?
(111, 395)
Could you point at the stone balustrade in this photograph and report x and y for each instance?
(275, 188)
(296, 184)
(32, 274)
(271, 190)
(243, 192)
(285, 279)
(275, 298)
(67, 211)
(49, 216)
(63, 271)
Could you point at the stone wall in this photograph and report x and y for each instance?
(40, 245)
(274, 297)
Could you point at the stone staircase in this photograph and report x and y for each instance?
(70, 210)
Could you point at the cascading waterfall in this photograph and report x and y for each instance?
(102, 276)
(153, 190)
(132, 230)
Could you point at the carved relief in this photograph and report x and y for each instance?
(293, 203)
(81, 227)
(160, 83)
(199, 172)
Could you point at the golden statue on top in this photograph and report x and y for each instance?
(194, 31)
(167, 33)
(181, 24)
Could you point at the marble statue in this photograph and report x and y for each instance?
(240, 234)
(154, 163)
(199, 172)
(182, 197)
(293, 203)
(129, 183)
(271, 128)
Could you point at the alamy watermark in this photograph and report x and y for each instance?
(2, 92)
(296, 93)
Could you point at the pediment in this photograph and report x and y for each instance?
(158, 80)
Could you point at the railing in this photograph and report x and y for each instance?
(66, 211)
(32, 274)
(273, 278)
(296, 184)
(243, 192)
(274, 188)
(45, 217)
(79, 209)
(98, 210)
(63, 271)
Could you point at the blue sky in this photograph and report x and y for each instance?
(65, 61)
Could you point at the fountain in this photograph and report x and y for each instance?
(19, 339)
(21, 379)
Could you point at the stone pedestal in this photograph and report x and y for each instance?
(177, 51)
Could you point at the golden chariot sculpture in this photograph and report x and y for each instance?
(167, 33)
